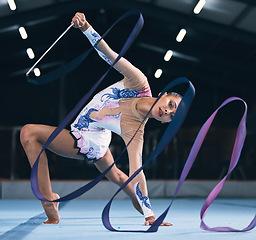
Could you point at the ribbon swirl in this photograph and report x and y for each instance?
(170, 132)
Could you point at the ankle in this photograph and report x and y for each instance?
(51, 197)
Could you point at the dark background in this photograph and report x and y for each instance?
(218, 55)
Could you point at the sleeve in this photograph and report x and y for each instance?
(139, 182)
(136, 78)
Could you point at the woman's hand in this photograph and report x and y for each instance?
(80, 22)
(150, 220)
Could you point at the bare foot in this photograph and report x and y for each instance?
(150, 220)
(51, 210)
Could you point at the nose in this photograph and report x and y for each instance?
(167, 111)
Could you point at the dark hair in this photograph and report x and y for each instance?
(175, 94)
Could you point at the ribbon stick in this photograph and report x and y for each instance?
(72, 65)
(49, 49)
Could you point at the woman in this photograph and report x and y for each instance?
(119, 108)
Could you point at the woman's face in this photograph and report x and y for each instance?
(165, 108)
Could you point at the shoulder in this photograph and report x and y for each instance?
(136, 82)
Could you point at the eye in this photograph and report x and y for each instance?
(171, 105)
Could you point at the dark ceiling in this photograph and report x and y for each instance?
(218, 53)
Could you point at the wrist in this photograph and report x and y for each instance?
(144, 202)
(85, 26)
(92, 35)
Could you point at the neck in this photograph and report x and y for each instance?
(144, 105)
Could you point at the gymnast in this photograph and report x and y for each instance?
(120, 108)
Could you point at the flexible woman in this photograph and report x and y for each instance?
(119, 108)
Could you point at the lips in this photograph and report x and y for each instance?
(160, 112)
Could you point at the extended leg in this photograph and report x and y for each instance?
(118, 177)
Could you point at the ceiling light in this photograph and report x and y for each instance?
(158, 73)
(30, 53)
(12, 5)
(181, 35)
(199, 6)
(37, 72)
(168, 55)
(23, 33)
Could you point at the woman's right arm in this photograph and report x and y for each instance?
(128, 70)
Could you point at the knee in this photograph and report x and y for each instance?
(27, 134)
(117, 176)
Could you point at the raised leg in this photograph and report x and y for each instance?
(32, 138)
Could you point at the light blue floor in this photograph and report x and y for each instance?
(81, 219)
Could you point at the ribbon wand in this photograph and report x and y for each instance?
(71, 25)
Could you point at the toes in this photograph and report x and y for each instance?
(50, 222)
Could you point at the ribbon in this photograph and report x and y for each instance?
(239, 142)
(172, 129)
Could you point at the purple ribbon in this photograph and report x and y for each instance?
(240, 137)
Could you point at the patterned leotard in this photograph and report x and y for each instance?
(112, 109)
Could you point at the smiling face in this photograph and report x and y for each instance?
(165, 107)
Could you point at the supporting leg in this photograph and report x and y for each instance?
(32, 138)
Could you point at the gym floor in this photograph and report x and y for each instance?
(81, 219)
